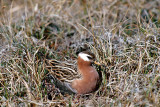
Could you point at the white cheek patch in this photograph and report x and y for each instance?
(84, 56)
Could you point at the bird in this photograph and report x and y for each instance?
(81, 80)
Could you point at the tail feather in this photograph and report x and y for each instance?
(63, 86)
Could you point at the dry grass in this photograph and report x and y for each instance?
(123, 34)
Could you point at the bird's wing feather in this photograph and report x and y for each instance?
(63, 71)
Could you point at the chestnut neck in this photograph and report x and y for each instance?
(83, 65)
(89, 78)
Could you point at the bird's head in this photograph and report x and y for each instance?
(86, 57)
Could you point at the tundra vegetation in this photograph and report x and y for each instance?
(124, 35)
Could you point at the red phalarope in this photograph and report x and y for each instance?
(84, 80)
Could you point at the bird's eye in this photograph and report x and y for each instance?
(90, 57)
